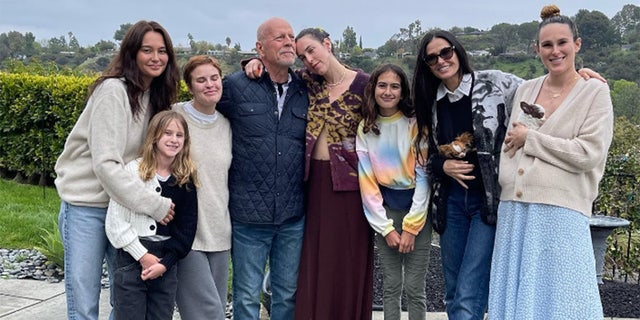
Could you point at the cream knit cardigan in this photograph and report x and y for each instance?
(123, 226)
(563, 161)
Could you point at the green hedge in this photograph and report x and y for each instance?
(36, 115)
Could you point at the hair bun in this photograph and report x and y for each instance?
(549, 11)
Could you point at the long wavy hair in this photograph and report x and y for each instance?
(425, 83)
(183, 167)
(371, 109)
(163, 89)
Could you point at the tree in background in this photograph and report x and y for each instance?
(504, 35)
(596, 30)
(627, 21)
(119, 35)
(621, 64)
(192, 43)
(389, 48)
(411, 36)
(12, 45)
(527, 33)
(56, 45)
(625, 96)
(349, 40)
(103, 46)
(404, 42)
(73, 42)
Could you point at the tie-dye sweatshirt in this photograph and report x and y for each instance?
(389, 160)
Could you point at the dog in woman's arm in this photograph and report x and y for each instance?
(459, 147)
(532, 115)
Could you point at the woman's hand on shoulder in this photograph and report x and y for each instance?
(587, 74)
(254, 68)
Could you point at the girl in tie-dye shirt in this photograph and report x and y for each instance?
(394, 188)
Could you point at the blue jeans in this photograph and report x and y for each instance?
(466, 248)
(252, 245)
(85, 248)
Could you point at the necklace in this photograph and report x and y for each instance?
(335, 84)
(555, 95)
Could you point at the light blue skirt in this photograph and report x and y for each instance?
(543, 265)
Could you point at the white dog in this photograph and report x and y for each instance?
(532, 115)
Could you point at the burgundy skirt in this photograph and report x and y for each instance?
(335, 279)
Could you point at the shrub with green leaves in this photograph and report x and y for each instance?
(619, 196)
(51, 245)
(36, 115)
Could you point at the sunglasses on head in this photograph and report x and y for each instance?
(445, 54)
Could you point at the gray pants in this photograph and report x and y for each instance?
(202, 285)
(412, 267)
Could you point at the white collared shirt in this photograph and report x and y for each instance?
(462, 90)
(282, 97)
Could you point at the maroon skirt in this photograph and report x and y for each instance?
(335, 279)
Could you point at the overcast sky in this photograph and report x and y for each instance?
(214, 20)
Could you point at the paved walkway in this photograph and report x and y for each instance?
(40, 300)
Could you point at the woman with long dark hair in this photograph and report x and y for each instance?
(141, 80)
(451, 100)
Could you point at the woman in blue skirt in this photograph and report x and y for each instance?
(543, 265)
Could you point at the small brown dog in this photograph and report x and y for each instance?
(532, 115)
(459, 147)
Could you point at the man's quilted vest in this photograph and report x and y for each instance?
(266, 175)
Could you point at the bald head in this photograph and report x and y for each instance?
(270, 23)
(276, 44)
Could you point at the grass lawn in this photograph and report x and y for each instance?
(24, 211)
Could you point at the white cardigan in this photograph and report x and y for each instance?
(124, 227)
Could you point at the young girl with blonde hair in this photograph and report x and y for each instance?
(145, 279)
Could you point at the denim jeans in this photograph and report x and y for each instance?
(139, 299)
(85, 248)
(252, 245)
(466, 248)
(408, 270)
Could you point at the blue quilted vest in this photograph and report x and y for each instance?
(266, 174)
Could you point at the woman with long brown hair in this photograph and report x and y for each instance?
(141, 80)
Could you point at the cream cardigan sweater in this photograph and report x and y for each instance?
(563, 161)
(107, 136)
(125, 227)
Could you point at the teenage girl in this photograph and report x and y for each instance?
(145, 279)
(394, 188)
